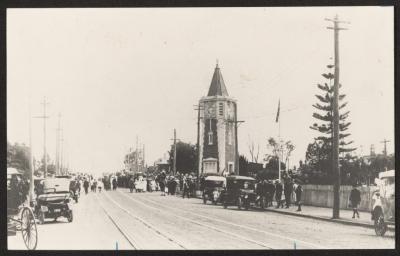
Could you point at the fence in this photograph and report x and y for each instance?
(322, 195)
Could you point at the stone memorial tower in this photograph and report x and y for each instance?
(218, 148)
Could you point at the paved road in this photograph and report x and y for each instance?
(151, 221)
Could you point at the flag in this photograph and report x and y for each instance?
(277, 113)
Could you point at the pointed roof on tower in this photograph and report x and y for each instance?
(217, 86)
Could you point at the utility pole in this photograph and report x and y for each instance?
(143, 160)
(236, 122)
(31, 165)
(44, 103)
(61, 152)
(174, 162)
(198, 108)
(136, 154)
(174, 169)
(385, 149)
(58, 146)
(335, 148)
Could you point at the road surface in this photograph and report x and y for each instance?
(122, 220)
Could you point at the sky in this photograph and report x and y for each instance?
(118, 73)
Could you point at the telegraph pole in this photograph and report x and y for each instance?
(236, 122)
(335, 148)
(31, 165)
(198, 108)
(61, 152)
(58, 146)
(174, 162)
(143, 156)
(44, 103)
(136, 154)
(385, 149)
(174, 169)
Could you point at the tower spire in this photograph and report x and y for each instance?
(217, 86)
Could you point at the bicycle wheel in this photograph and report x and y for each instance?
(28, 228)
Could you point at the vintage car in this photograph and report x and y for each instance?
(239, 191)
(213, 185)
(383, 202)
(54, 199)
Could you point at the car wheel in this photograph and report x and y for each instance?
(41, 217)
(70, 216)
(262, 203)
(214, 202)
(239, 203)
(379, 224)
(224, 204)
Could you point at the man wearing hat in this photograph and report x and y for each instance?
(278, 193)
(355, 199)
(298, 191)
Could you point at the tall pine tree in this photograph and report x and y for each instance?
(324, 106)
(324, 125)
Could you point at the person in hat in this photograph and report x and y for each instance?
(271, 192)
(278, 193)
(355, 199)
(288, 190)
(298, 191)
(186, 186)
(161, 182)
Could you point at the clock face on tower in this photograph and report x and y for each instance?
(209, 110)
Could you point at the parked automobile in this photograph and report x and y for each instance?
(54, 200)
(239, 191)
(383, 202)
(213, 186)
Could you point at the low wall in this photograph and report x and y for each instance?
(322, 195)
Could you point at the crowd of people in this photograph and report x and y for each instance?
(86, 181)
(284, 192)
(171, 184)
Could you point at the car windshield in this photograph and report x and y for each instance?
(214, 183)
(242, 184)
(56, 185)
(247, 185)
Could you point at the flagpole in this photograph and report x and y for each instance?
(279, 139)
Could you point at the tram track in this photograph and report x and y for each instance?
(230, 234)
(147, 225)
(286, 238)
(130, 240)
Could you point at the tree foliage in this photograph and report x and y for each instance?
(51, 168)
(319, 152)
(324, 115)
(243, 165)
(186, 156)
(18, 157)
(284, 149)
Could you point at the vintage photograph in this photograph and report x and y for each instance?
(257, 128)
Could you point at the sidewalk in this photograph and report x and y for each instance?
(323, 213)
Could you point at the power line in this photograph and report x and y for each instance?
(335, 148)
(44, 117)
(385, 149)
